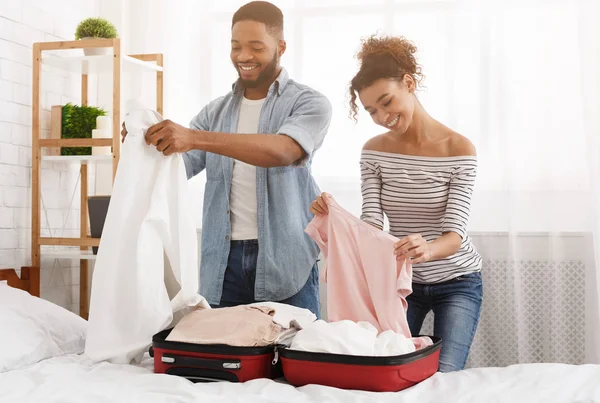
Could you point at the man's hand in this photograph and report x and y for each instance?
(170, 137)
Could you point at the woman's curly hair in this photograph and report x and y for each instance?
(383, 57)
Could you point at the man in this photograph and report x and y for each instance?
(256, 144)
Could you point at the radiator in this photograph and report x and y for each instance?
(533, 311)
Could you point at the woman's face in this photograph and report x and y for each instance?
(390, 103)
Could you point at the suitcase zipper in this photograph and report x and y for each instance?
(275, 356)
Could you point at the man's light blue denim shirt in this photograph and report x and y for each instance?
(286, 253)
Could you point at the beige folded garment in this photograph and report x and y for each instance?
(242, 326)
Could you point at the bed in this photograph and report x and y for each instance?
(28, 281)
(68, 376)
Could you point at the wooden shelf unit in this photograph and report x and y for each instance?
(83, 65)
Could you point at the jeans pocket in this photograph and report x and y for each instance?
(472, 281)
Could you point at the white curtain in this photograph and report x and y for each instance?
(518, 78)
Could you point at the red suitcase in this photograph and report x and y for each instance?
(376, 374)
(201, 363)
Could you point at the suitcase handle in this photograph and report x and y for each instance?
(207, 363)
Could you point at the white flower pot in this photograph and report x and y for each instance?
(95, 51)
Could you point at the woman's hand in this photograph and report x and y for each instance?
(319, 206)
(413, 247)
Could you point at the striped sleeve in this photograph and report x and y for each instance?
(459, 199)
(372, 212)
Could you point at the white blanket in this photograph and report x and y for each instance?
(148, 216)
(76, 379)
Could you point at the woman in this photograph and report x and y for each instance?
(420, 174)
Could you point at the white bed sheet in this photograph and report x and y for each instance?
(75, 379)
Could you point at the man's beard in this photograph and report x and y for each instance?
(264, 76)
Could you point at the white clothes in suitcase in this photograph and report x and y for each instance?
(149, 216)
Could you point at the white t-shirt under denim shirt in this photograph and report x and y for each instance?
(242, 199)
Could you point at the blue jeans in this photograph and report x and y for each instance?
(240, 275)
(456, 306)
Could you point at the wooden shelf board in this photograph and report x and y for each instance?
(70, 241)
(68, 254)
(98, 64)
(79, 159)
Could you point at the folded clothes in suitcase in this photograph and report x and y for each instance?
(203, 362)
(376, 374)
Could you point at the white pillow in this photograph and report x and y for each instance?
(34, 329)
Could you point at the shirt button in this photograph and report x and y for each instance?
(227, 237)
(227, 211)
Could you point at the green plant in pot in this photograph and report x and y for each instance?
(95, 28)
(78, 123)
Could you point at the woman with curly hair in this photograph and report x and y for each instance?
(420, 174)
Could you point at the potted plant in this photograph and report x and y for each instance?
(94, 28)
(78, 122)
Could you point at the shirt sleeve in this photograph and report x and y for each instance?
(370, 188)
(308, 123)
(195, 160)
(459, 199)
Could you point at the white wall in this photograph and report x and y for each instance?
(21, 24)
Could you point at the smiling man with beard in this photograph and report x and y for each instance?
(256, 144)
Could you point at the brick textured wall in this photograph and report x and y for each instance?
(21, 24)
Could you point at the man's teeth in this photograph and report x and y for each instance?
(248, 68)
(393, 122)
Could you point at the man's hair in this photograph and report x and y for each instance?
(264, 12)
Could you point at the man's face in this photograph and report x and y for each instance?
(255, 53)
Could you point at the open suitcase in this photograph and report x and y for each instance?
(376, 374)
(202, 363)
